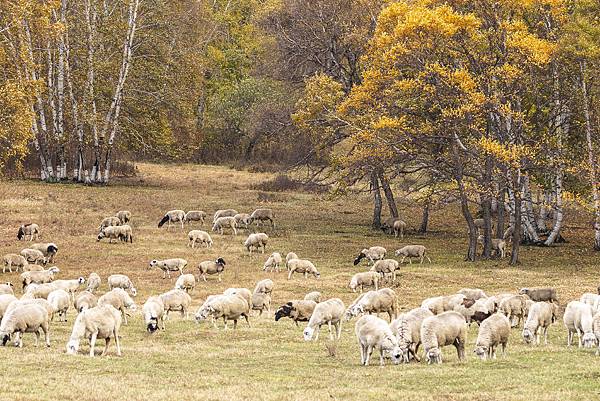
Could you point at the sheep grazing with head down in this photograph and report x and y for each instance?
(85, 300)
(93, 282)
(224, 213)
(263, 215)
(13, 260)
(39, 277)
(31, 229)
(578, 318)
(242, 220)
(256, 241)
(273, 262)
(7, 288)
(541, 316)
(33, 256)
(119, 299)
(172, 216)
(371, 254)
(211, 267)
(109, 222)
(472, 310)
(399, 228)
(121, 281)
(380, 301)
(228, 307)
(26, 318)
(122, 233)
(199, 237)
(60, 301)
(328, 312)
(225, 222)
(261, 302)
(494, 331)
(49, 249)
(407, 328)
(297, 310)
(195, 215)
(124, 216)
(540, 294)
(100, 322)
(186, 282)
(448, 328)
(176, 301)
(288, 257)
(302, 266)
(386, 268)
(373, 332)
(388, 224)
(264, 286)
(313, 296)
(413, 251)
(513, 308)
(154, 312)
(169, 265)
(362, 280)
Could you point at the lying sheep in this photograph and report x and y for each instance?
(27, 318)
(153, 312)
(224, 222)
(263, 215)
(31, 229)
(186, 282)
(199, 237)
(513, 308)
(7, 288)
(13, 260)
(540, 294)
(33, 256)
(212, 267)
(242, 220)
(172, 216)
(541, 315)
(39, 277)
(119, 299)
(370, 279)
(386, 268)
(85, 300)
(413, 251)
(109, 222)
(256, 241)
(100, 322)
(70, 286)
(407, 328)
(176, 301)
(224, 213)
(273, 262)
(399, 228)
(438, 331)
(297, 310)
(195, 215)
(373, 332)
(228, 307)
(292, 255)
(124, 216)
(472, 293)
(328, 312)
(93, 282)
(264, 286)
(498, 245)
(380, 301)
(313, 296)
(302, 266)
(5, 300)
(578, 318)
(121, 281)
(261, 302)
(49, 249)
(372, 254)
(494, 331)
(169, 265)
(242, 292)
(122, 233)
(60, 301)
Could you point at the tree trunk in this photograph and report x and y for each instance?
(464, 206)
(389, 195)
(501, 212)
(515, 181)
(377, 203)
(486, 206)
(90, 16)
(425, 217)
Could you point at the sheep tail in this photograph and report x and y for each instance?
(163, 221)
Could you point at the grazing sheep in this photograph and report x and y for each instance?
(438, 305)
(328, 312)
(153, 312)
(169, 265)
(12, 259)
(578, 318)
(263, 215)
(361, 280)
(7, 288)
(388, 224)
(119, 299)
(172, 216)
(60, 301)
(211, 267)
(372, 254)
(380, 301)
(493, 302)
(413, 251)
(592, 300)
(124, 216)
(26, 300)
(121, 281)
(33, 268)
(260, 302)
(498, 245)
(373, 332)
(176, 301)
(70, 286)
(472, 310)
(85, 300)
(508, 233)
(540, 294)
(122, 233)
(33, 256)
(186, 282)
(100, 322)
(297, 310)
(195, 215)
(493, 331)
(541, 315)
(472, 293)
(256, 241)
(292, 255)
(407, 328)
(264, 286)
(224, 213)
(200, 237)
(242, 220)
(224, 222)
(313, 296)
(39, 290)
(228, 307)
(242, 292)
(438, 331)
(39, 277)
(93, 282)
(273, 262)
(399, 228)
(386, 268)
(302, 266)
(5, 300)
(26, 318)
(513, 308)
(109, 222)
(31, 229)
(49, 250)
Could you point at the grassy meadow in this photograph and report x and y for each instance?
(270, 360)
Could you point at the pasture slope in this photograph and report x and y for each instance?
(270, 361)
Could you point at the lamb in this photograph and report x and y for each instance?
(292, 255)
(121, 281)
(494, 331)
(328, 312)
(13, 260)
(472, 293)
(372, 332)
(361, 280)
(541, 315)
(195, 215)
(121, 233)
(153, 312)
(224, 222)
(297, 310)
(242, 220)
(447, 328)
(85, 300)
(224, 213)
(386, 268)
(211, 267)
(70, 286)
(27, 318)
(372, 254)
(119, 299)
(5, 301)
(242, 292)
(313, 296)
(413, 251)
(102, 321)
(186, 282)
(381, 301)
(60, 301)
(273, 262)
(124, 216)
(39, 277)
(33, 256)
(176, 300)
(199, 237)
(169, 265)
(93, 282)
(109, 222)
(399, 227)
(407, 328)
(578, 318)
(256, 241)
(263, 215)
(498, 245)
(260, 302)
(513, 308)
(172, 216)
(7, 288)
(540, 294)
(302, 266)
(229, 307)
(31, 229)
(49, 250)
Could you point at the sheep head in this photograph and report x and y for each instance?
(308, 333)
(527, 336)
(72, 346)
(481, 352)
(589, 340)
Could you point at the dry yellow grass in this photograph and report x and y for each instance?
(270, 361)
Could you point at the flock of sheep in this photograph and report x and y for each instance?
(439, 321)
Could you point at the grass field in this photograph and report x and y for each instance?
(270, 360)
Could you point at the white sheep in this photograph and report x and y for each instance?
(122, 233)
(273, 262)
(120, 300)
(85, 300)
(264, 286)
(371, 254)
(413, 251)
(225, 222)
(261, 302)
(169, 265)
(39, 290)
(494, 331)
(176, 301)
(313, 296)
(7, 288)
(407, 328)
(361, 280)
(242, 220)
(448, 328)
(399, 227)
(513, 308)
(70, 286)
(124, 216)
(31, 229)
(154, 312)
(578, 318)
(109, 222)
(5, 300)
(328, 312)
(33, 268)
(26, 300)
(228, 307)
(39, 277)
(302, 266)
(373, 332)
(186, 282)
(386, 268)
(199, 237)
(471, 309)
(172, 216)
(60, 301)
(288, 257)
(212, 267)
(33, 256)
(195, 215)
(224, 213)
(100, 322)
(595, 328)
(13, 260)
(380, 301)
(472, 293)
(498, 245)
(256, 241)
(263, 215)
(93, 282)
(26, 318)
(49, 249)
(541, 315)
(592, 300)
(121, 281)
(245, 293)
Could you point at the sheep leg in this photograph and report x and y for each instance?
(318, 330)
(107, 341)
(37, 338)
(429, 260)
(93, 342)
(234, 324)
(225, 321)
(339, 329)
(368, 356)
(46, 334)
(124, 316)
(545, 335)
(362, 353)
(330, 330)
(290, 275)
(118, 343)
(569, 337)
(579, 338)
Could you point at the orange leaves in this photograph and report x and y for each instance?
(509, 154)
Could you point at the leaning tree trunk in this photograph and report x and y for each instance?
(377, 203)
(389, 195)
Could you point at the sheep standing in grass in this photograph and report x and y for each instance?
(371, 254)
(33, 256)
(39, 277)
(49, 249)
(399, 228)
(438, 331)
(31, 229)
(122, 233)
(27, 318)
(471, 310)
(101, 322)
(124, 216)
(93, 282)
(111, 221)
(60, 301)
(328, 312)
(211, 267)
(264, 286)
(540, 294)
(195, 215)
(313, 296)
(381, 301)
(7, 288)
(172, 216)
(302, 266)
(228, 307)
(373, 332)
(119, 299)
(407, 328)
(263, 215)
(370, 279)
(261, 302)
(5, 300)
(472, 293)
(33, 268)
(256, 241)
(242, 220)
(169, 265)
(297, 310)
(513, 308)
(153, 312)
(121, 281)
(176, 301)
(494, 331)
(224, 213)
(386, 268)
(13, 260)
(290, 256)
(442, 304)
(39, 290)
(245, 293)
(541, 316)
(85, 300)
(592, 300)
(498, 245)
(413, 251)
(578, 318)
(273, 262)
(186, 282)
(225, 222)
(70, 286)
(199, 237)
